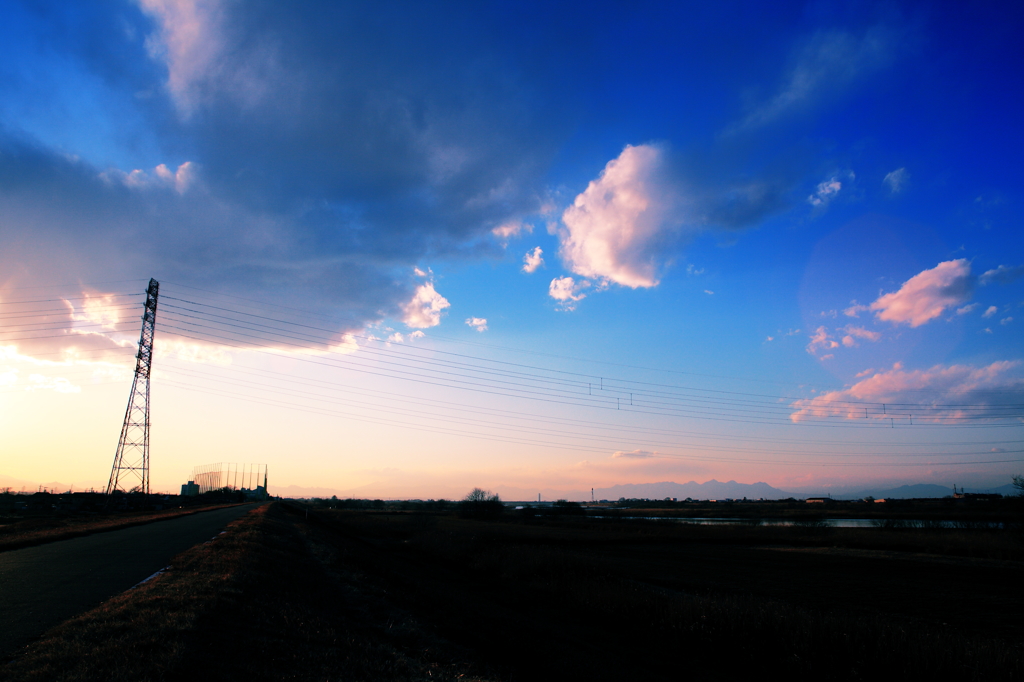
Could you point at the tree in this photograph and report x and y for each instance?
(480, 495)
(481, 504)
(1018, 483)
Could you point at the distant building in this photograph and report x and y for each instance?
(818, 500)
(259, 493)
(189, 489)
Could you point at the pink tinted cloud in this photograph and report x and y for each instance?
(425, 308)
(853, 333)
(616, 229)
(533, 260)
(634, 454)
(939, 394)
(926, 295)
(567, 291)
(821, 340)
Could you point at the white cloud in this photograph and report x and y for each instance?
(416, 335)
(185, 351)
(821, 340)
(532, 260)
(634, 454)
(992, 310)
(9, 377)
(396, 338)
(477, 323)
(1006, 321)
(567, 291)
(58, 384)
(896, 180)
(926, 295)
(1003, 274)
(967, 309)
(425, 308)
(180, 180)
(709, 292)
(936, 394)
(825, 193)
(511, 229)
(691, 269)
(617, 229)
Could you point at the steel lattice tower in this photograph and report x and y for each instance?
(132, 459)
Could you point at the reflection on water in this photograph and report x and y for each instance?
(808, 522)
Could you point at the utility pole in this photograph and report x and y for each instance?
(130, 472)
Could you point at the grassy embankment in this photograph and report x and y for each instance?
(27, 532)
(257, 603)
(354, 595)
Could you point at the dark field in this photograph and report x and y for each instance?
(397, 596)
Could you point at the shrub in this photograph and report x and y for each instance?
(481, 504)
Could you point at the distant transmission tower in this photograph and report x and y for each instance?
(131, 463)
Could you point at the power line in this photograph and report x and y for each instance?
(419, 413)
(623, 387)
(470, 382)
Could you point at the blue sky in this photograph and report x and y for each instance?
(817, 204)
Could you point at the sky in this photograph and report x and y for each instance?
(409, 249)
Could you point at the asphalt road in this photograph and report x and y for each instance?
(43, 586)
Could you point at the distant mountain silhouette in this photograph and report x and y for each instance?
(920, 490)
(709, 490)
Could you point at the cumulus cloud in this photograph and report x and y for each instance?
(425, 308)
(1005, 321)
(477, 323)
(938, 394)
(992, 310)
(825, 192)
(180, 180)
(926, 295)
(567, 291)
(896, 180)
(618, 227)
(533, 260)
(1003, 274)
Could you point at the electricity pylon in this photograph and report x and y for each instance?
(132, 459)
